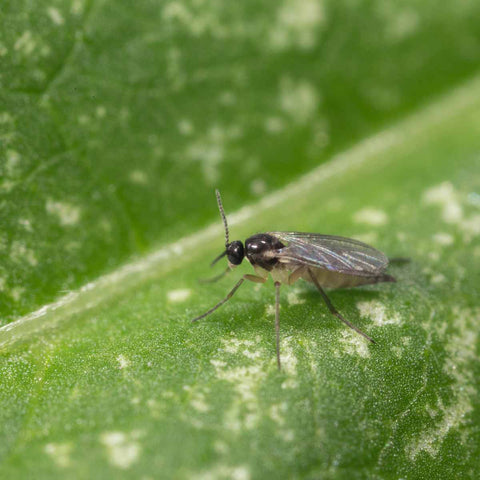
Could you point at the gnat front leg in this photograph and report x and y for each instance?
(251, 278)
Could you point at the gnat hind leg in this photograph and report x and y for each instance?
(333, 310)
(277, 321)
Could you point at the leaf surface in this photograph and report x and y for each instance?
(113, 381)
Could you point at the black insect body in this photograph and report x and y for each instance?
(324, 260)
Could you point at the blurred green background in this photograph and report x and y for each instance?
(119, 118)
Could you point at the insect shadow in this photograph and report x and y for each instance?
(327, 261)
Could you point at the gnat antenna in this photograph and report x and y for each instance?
(222, 213)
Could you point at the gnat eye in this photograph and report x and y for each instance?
(235, 252)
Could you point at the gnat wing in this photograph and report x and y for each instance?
(338, 254)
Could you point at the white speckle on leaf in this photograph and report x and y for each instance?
(154, 407)
(398, 351)
(26, 224)
(293, 298)
(443, 239)
(122, 449)
(197, 400)
(223, 472)
(6, 118)
(274, 125)
(209, 150)
(199, 405)
(185, 127)
(19, 253)
(105, 224)
(218, 364)
(299, 100)
(12, 163)
(252, 354)
(38, 74)
(59, 453)
(179, 295)
(7, 185)
(445, 196)
(438, 278)
(244, 412)
(270, 310)
(461, 348)
(198, 19)
(25, 44)
(123, 362)
(297, 25)
(45, 51)
(471, 226)
(220, 447)
(67, 213)
(16, 293)
(289, 362)
(355, 344)
(101, 111)
(235, 345)
(277, 413)
(227, 98)
(399, 22)
(258, 187)
(376, 312)
(371, 216)
(139, 177)
(55, 16)
(77, 6)
(83, 119)
(176, 11)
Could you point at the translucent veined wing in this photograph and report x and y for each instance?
(338, 254)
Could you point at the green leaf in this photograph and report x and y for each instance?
(114, 381)
(118, 119)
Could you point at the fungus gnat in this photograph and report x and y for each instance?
(324, 260)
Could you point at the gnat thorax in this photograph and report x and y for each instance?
(261, 250)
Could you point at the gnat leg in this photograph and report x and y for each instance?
(215, 278)
(252, 278)
(277, 321)
(333, 310)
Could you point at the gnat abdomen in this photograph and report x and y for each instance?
(326, 278)
(329, 279)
